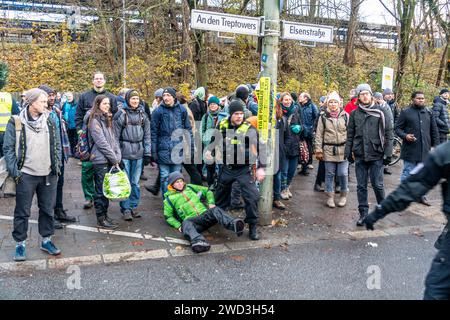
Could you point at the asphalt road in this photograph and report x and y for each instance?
(327, 269)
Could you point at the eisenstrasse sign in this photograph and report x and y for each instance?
(214, 21)
(307, 32)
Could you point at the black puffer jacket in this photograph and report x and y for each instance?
(441, 114)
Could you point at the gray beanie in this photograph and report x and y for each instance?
(363, 87)
(159, 93)
(174, 176)
(378, 95)
(33, 94)
(387, 91)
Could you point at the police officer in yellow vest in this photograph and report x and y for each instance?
(8, 107)
(239, 153)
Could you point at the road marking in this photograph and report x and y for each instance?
(113, 232)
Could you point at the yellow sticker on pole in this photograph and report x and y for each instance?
(264, 108)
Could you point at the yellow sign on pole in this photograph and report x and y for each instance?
(264, 108)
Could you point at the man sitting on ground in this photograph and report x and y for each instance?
(184, 211)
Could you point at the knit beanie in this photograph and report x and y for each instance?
(200, 93)
(378, 95)
(130, 94)
(445, 90)
(242, 92)
(387, 91)
(159, 93)
(333, 96)
(174, 176)
(170, 91)
(33, 94)
(214, 99)
(235, 106)
(363, 87)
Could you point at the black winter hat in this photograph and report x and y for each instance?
(445, 90)
(174, 176)
(235, 106)
(47, 89)
(170, 91)
(242, 92)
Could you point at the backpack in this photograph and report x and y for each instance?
(125, 124)
(83, 149)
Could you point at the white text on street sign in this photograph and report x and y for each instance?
(214, 21)
(307, 32)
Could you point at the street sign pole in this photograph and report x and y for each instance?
(269, 66)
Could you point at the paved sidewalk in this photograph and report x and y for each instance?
(306, 219)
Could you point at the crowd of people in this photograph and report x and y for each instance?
(218, 146)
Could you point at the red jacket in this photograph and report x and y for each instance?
(351, 106)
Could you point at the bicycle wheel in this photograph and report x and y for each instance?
(396, 150)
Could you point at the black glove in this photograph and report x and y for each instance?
(350, 159)
(387, 160)
(373, 217)
(147, 160)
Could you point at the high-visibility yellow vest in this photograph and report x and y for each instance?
(5, 109)
(242, 129)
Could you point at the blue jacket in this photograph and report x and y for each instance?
(165, 120)
(252, 106)
(308, 114)
(69, 110)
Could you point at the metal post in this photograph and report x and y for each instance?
(124, 47)
(269, 69)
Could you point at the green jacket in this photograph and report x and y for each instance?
(181, 205)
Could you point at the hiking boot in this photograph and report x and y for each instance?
(105, 223)
(317, 187)
(330, 200)
(284, 194)
(61, 215)
(200, 246)
(20, 254)
(387, 171)
(50, 248)
(88, 204)
(154, 190)
(126, 215)
(57, 224)
(342, 199)
(136, 214)
(111, 221)
(239, 226)
(252, 232)
(279, 205)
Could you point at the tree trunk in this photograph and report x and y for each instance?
(444, 61)
(349, 54)
(199, 53)
(406, 16)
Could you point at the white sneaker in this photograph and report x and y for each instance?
(284, 195)
(310, 166)
(289, 192)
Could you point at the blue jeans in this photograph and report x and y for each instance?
(364, 170)
(407, 168)
(133, 168)
(164, 171)
(342, 173)
(288, 166)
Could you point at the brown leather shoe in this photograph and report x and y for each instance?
(279, 205)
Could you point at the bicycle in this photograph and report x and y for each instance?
(396, 151)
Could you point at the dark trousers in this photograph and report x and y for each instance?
(196, 177)
(101, 203)
(45, 189)
(364, 170)
(437, 282)
(210, 174)
(320, 178)
(249, 191)
(59, 189)
(2, 135)
(193, 227)
(73, 139)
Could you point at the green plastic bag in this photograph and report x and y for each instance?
(116, 186)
